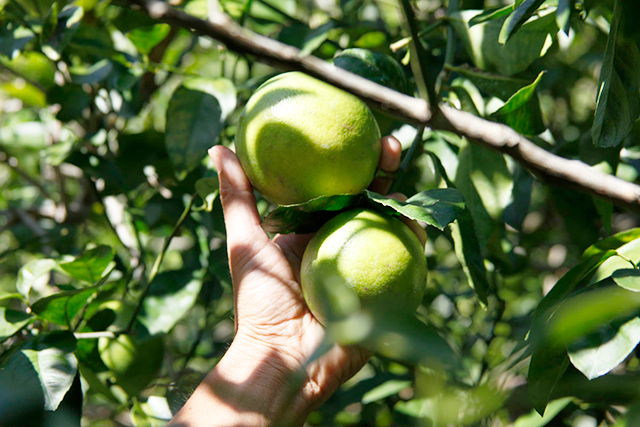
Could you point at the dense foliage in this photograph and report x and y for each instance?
(115, 294)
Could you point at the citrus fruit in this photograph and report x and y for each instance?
(299, 138)
(134, 363)
(361, 252)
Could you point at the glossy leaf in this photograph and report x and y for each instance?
(532, 41)
(222, 89)
(385, 390)
(522, 111)
(492, 84)
(93, 74)
(549, 360)
(31, 277)
(171, 297)
(374, 66)
(563, 14)
(518, 17)
(11, 321)
(438, 207)
(491, 14)
(146, 39)
(90, 266)
(61, 307)
(628, 279)
(47, 359)
(208, 189)
(469, 255)
(533, 419)
(307, 217)
(194, 123)
(618, 103)
(600, 352)
(67, 25)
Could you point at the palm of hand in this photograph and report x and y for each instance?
(270, 309)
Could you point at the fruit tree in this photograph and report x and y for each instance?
(518, 121)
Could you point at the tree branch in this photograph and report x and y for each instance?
(545, 165)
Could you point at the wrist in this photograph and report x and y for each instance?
(252, 385)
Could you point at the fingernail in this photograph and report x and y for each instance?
(215, 158)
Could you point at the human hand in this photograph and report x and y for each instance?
(275, 331)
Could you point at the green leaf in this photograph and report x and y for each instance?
(563, 14)
(194, 123)
(47, 359)
(522, 111)
(455, 406)
(14, 40)
(628, 251)
(613, 242)
(95, 73)
(618, 103)
(469, 255)
(468, 95)
(307, 217)
(518, 17)
(547, 366)
(533, 419)
(208, 188)
(492, 84)
(145, 39)
(548, 359)
(171, 297)
(599, 353)
(72, 99)
(90, 266)
(530, 43)
(627, 278)
(590, 310)
(491, 14)
(67, 26)
(60, 308)
(32, 275)
(11, 321)
(384, 390)
(375, 66)
(222, 89)
(438, 207)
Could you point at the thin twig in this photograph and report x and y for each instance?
(12, 162)
(158, 262)
(546, 166)
(419, 57)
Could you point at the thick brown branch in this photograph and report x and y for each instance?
(545, 165)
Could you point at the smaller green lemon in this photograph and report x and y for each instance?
(373, 256)
(134, 363)
(299, 138)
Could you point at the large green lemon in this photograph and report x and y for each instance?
(366, 254)
(133, 362)
(299, 138)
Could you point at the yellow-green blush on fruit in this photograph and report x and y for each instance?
(371, 255)
(299, 138)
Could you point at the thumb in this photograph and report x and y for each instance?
(241, 216)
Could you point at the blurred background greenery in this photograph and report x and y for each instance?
(110, 223)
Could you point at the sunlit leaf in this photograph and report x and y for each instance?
(438, 207)
(90, 266)
(194, 123)
(11, 321)
(618, 103)
(518, 17)
(533, 419)
(171, 297)
(52, 363)
(598, 353)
